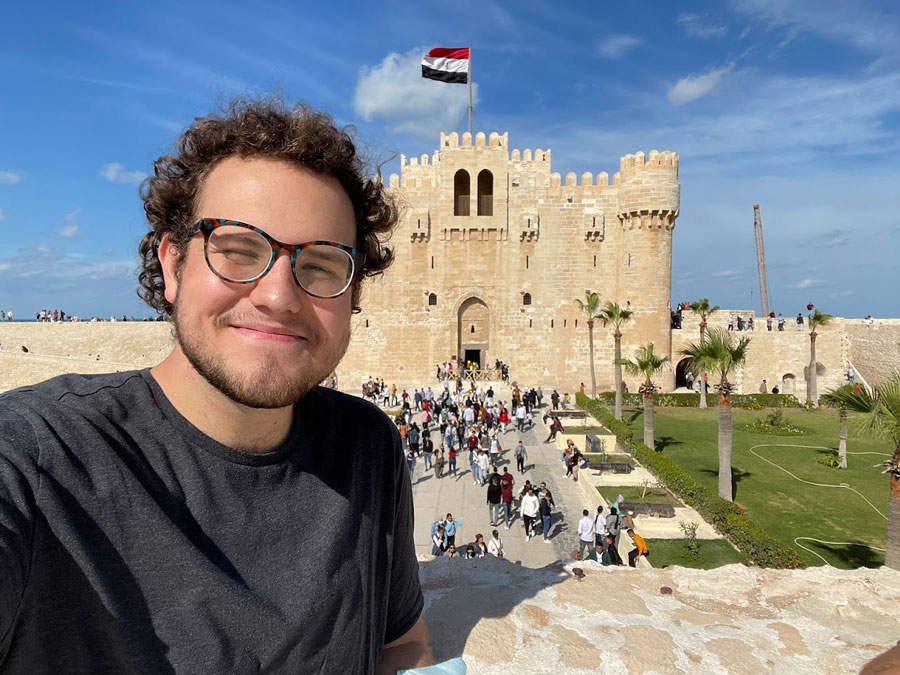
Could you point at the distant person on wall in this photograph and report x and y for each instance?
(799, 321)
(763, 387)
(554, 399)
(199, 516)
(780, 322)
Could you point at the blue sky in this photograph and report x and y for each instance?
(792, 105)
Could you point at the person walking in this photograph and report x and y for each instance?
(494, 499)
(427, 451)
(555, 427)
(439, 464)
(546, 507)
(531, 507)
(521, 411)
(438, 543)
(521, 456)
(585, 534)
(640, 548)
(613, 524)
(410, 462)
(506, 492)
(600, 530)
(483, 464)
(451, 470)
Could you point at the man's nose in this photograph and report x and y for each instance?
(278, 290)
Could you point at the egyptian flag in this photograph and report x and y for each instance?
(447, 64)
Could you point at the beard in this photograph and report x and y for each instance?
(267, 384)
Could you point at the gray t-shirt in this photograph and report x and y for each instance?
(131, 542)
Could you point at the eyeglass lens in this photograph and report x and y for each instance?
(242, 255)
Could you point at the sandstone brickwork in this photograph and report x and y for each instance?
(494, 247)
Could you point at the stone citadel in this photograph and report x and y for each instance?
(492, 249)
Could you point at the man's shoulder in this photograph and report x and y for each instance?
(71, 389)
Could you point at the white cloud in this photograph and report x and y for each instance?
(692, 87)
(726, 274)
(395, 91)
(2, 214)
(10, 177)
(694, 26)
(832, 239)
(616, 46)
(808, 283)
(71, 230)
(116, 173)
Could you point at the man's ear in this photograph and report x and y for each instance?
(169, 260)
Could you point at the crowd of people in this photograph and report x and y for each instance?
(436, 427)
(60, 316)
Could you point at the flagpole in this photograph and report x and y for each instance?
(470, 90)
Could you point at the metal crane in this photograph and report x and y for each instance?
(761, 261)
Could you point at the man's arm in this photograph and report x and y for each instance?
(410, 650)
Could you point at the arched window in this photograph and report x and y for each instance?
(526, 299)
(432, 299)
(461, 193)
(485, 193)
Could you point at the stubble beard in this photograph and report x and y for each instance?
(268, 386)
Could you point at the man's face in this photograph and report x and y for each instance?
(267, 343)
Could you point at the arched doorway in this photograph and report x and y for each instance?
(787, 383)
(681, 374)
(473, 329)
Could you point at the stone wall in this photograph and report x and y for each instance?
(97, 347)
(874, 350)
(503, 618)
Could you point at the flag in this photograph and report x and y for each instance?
(447, 64)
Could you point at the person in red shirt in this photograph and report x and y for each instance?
(506, 494)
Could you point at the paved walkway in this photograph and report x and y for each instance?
(467, 502)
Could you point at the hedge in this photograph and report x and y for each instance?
(728, 518)
(745, 401)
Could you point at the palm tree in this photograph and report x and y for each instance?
(615, 315)
(878, 414)
(834, 399)
(720, 354)
(702, 309)
(816, 319)
(648, 364)
(590, 307)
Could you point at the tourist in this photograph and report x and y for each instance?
(439, 462)
(470, 550)
(763, 388)
(481, 549)
(483, 466)
(427, 451)
(554, 399)
(438, 542)
(410, 462)
(780, 322)
(506, 495)
(521, 413)
(521, 456)
(495, 545)
(451, 551)
(600, 530)
(494, 499)
(530, 508)
(799, 321)
(585, 533)
(450, 527)
(451, 471)
(555, 427)
(545, 509)
(610, 554)
(614, 523)
(640, 548)
(412, 438)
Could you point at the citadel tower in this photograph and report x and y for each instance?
(491, 251)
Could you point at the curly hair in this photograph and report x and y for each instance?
(266, 128)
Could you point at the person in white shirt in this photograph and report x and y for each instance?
(531, 506)
(495, 545)
(585, 534)
(600, 530)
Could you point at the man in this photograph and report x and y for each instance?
(531, 508)
(585, 534)
(494, 499)
(554, 399)
(495, 545)
(198, 517)
(521, 456)
(546, 512)
(640, 548)
(763, 387)
(506, 494)
(555, 427)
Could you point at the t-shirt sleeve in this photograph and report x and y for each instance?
(405, 599)
(17, 508)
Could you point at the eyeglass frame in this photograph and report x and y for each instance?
(205, 226)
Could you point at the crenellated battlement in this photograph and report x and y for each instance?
(453, 141)
(630, 165)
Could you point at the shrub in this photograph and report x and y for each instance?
(728, 518)
(744, 401)
(773, 423)
(691, 543)
(830, 459)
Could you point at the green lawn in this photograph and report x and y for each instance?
(784, 506)
(713, 553)
(594, 459)
(632, 493)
